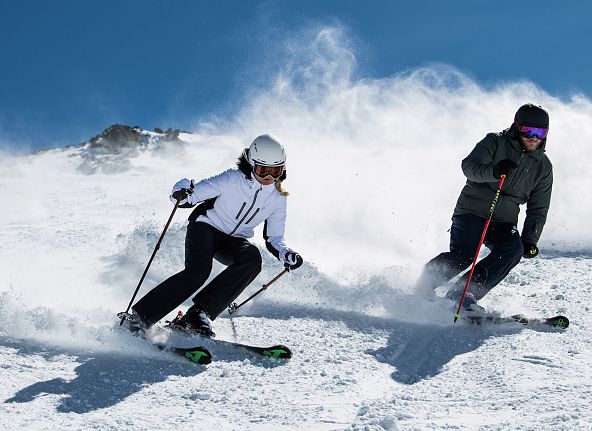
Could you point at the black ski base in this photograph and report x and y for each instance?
(561, 322)
(278, 351)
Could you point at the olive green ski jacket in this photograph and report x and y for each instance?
(530, 183)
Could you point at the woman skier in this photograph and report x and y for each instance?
(233, 203)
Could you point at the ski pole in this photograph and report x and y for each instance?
(233, 307)
(151, 258)
(493, 204)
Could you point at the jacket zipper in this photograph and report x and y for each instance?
(247, 213)
(518, 167)
(524, 172)
(513, 178)
(241, 210)
(253, 216)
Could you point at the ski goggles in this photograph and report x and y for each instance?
(530, 132)
(269, 171)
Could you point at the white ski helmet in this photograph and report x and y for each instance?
(266, 150)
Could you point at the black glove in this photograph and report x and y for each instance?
(181, 194)
(181, 191)
(292, 260)
(530, 250)
(504, 167)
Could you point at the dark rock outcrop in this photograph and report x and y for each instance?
(111, 150)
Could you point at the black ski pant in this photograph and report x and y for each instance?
(203, 243)
(502, 239)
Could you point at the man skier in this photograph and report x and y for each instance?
(519, 153)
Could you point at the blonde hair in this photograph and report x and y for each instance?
(279, 188)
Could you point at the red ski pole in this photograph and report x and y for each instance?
(493, 204)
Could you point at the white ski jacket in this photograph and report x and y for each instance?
(241, 205)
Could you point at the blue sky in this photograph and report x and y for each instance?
(71, 68)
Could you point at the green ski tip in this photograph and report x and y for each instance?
(198, 356)
(277, 353)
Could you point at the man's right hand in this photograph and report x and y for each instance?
(504, 167)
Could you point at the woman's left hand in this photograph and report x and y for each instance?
(292, 260)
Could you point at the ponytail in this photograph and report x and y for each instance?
(279, 188)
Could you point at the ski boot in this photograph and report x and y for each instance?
(470, 305)
(194, 321)
(133, 322)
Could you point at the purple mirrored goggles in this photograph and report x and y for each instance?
(531, 132)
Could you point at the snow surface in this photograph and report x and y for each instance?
(374, 172)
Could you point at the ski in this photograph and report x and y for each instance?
(198, 354)
(561, 322)
(278, 351)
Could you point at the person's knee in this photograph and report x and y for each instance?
(460, 260)
(447, 265)
(251, 256)
(480, 275)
